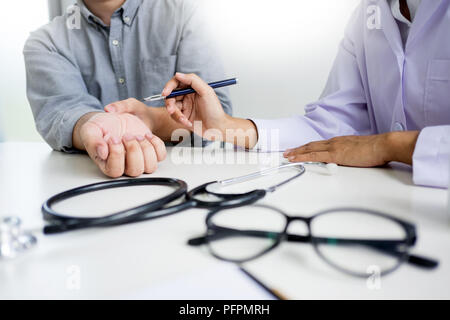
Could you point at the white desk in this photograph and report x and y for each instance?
(117, 262)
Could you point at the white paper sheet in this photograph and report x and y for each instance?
(222, 281)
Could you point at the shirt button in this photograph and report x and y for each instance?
(126, 19)
(398, 127)
(121, 80)
(115, 42)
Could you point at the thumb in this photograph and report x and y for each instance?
(118, 107)
(130, 105)
(95, 142)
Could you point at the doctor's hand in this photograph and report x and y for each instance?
(118, 143)
(359, 151)
(205, 106)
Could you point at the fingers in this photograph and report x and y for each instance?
(114, 166)
(307, 148)
(94, 142)
(133, 154)
(170, 86)
(176, 105)
(171, 106)
(195, 82)
(174, 109)
(142, 154)
(134, 158)
(149, 153)
(159, 147)
(321, 156)
(315, 151)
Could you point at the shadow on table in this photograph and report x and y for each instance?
(401, 172)
(79, 164)
(418, 211)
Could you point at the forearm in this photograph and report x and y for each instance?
(240, 132)
(76, 137)
(401, 145)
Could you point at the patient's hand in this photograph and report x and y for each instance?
(155, 118)
(119, 143)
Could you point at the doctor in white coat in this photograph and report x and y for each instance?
(387, 97)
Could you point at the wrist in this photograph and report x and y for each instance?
(153, 118)
(240, 132)
(77, 142)
(400, 146)
(227, 124)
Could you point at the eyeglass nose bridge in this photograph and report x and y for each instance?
(298, 237)
(304, 219)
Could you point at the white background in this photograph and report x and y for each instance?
(281, 51)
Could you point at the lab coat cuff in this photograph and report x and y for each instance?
(431, 158)
(268, 136)
(280, 134)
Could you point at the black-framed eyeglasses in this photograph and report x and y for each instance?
(351, 240)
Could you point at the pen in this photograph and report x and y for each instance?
(275, 293)
(182, 92)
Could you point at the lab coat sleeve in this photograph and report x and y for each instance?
(56, 91)
(341, 110)
(431, 158)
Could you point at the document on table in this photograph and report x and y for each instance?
(222, 281)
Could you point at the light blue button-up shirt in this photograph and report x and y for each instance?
(75, 67)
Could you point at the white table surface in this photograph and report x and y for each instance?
(121, 261)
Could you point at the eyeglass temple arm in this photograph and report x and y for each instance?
(386, 246)
(226, 233)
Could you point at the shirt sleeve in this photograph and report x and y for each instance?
(341, 109)
(56, 91)
(431, 159)
(197, 51)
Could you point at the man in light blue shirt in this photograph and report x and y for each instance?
(103, 53)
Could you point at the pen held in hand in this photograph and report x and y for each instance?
(182, 92)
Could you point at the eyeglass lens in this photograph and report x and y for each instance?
(352, 241)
